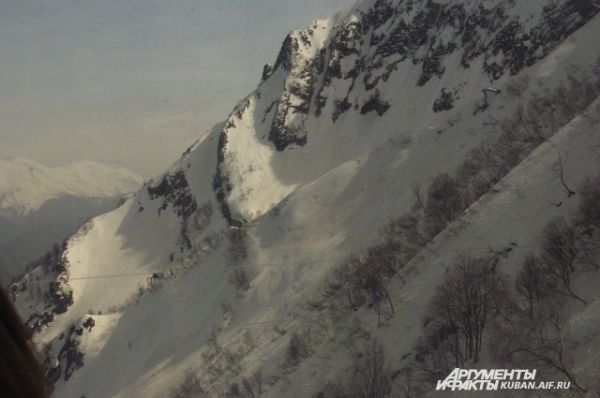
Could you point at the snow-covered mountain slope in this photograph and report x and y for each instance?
(214, 266)
(40, 205)
(507, 223)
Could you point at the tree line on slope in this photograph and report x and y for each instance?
(363, 279)
(473, 295)
(523, 326)
(450, 337)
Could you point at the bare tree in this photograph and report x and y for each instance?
(540, 341)
(466, 300)
(255, 382)
(247, 388)
(190, 387)
(587, 222)
(333, 389)
(558, 255)
(531, 283)
(404, 237)
(588, 212)
(372, 377)
(238, 243)
(416, 189)
(560, 168)
(372, 275)
(363, 280)
(444, 202)
(478, 172)
(239, 278)
(438, 351)
(342, 290)
(531, 130)
(369, 377)
(298, 349)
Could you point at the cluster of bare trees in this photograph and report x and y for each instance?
(249, 387)
(532, 331)
(299, 348)
(238, 243)
(524, 327)
(445, 202)
(190, 387)
(537, 340)
(464, 306)
(363, 280)
(220, 361)
(370, 376)
(474, 298)
(531, 124)
(237, 251)
(239, 278)
(567, 246)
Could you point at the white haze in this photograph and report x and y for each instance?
(131, 83)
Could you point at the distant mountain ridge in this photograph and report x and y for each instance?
(26, 185)
(41, 205)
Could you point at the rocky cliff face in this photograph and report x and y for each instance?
(352, 64)
(366, 48)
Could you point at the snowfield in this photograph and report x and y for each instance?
(244, 230)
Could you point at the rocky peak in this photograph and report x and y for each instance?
(348, 64)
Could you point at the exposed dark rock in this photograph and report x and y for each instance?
(221, 183)
(407, 31)
(320, 103)
(444, 102)
(175, 191)
(348, 41)
(60, 297)
(268, 110)
(399, 41)
(281, 134)
(375, 104)
(267, 72)
(432, 66)
(37, 321)
(320, 63)
(285, 56)
(377, 15)
(340, 107)
(506, 44)
(287, 125)
(70, 354)
(241, 108)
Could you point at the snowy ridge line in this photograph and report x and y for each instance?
(468, 249)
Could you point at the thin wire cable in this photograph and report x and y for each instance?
(322, 260)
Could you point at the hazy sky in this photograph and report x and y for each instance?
(132, 82)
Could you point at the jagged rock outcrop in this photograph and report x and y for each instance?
(332, 69)
(174, 190)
